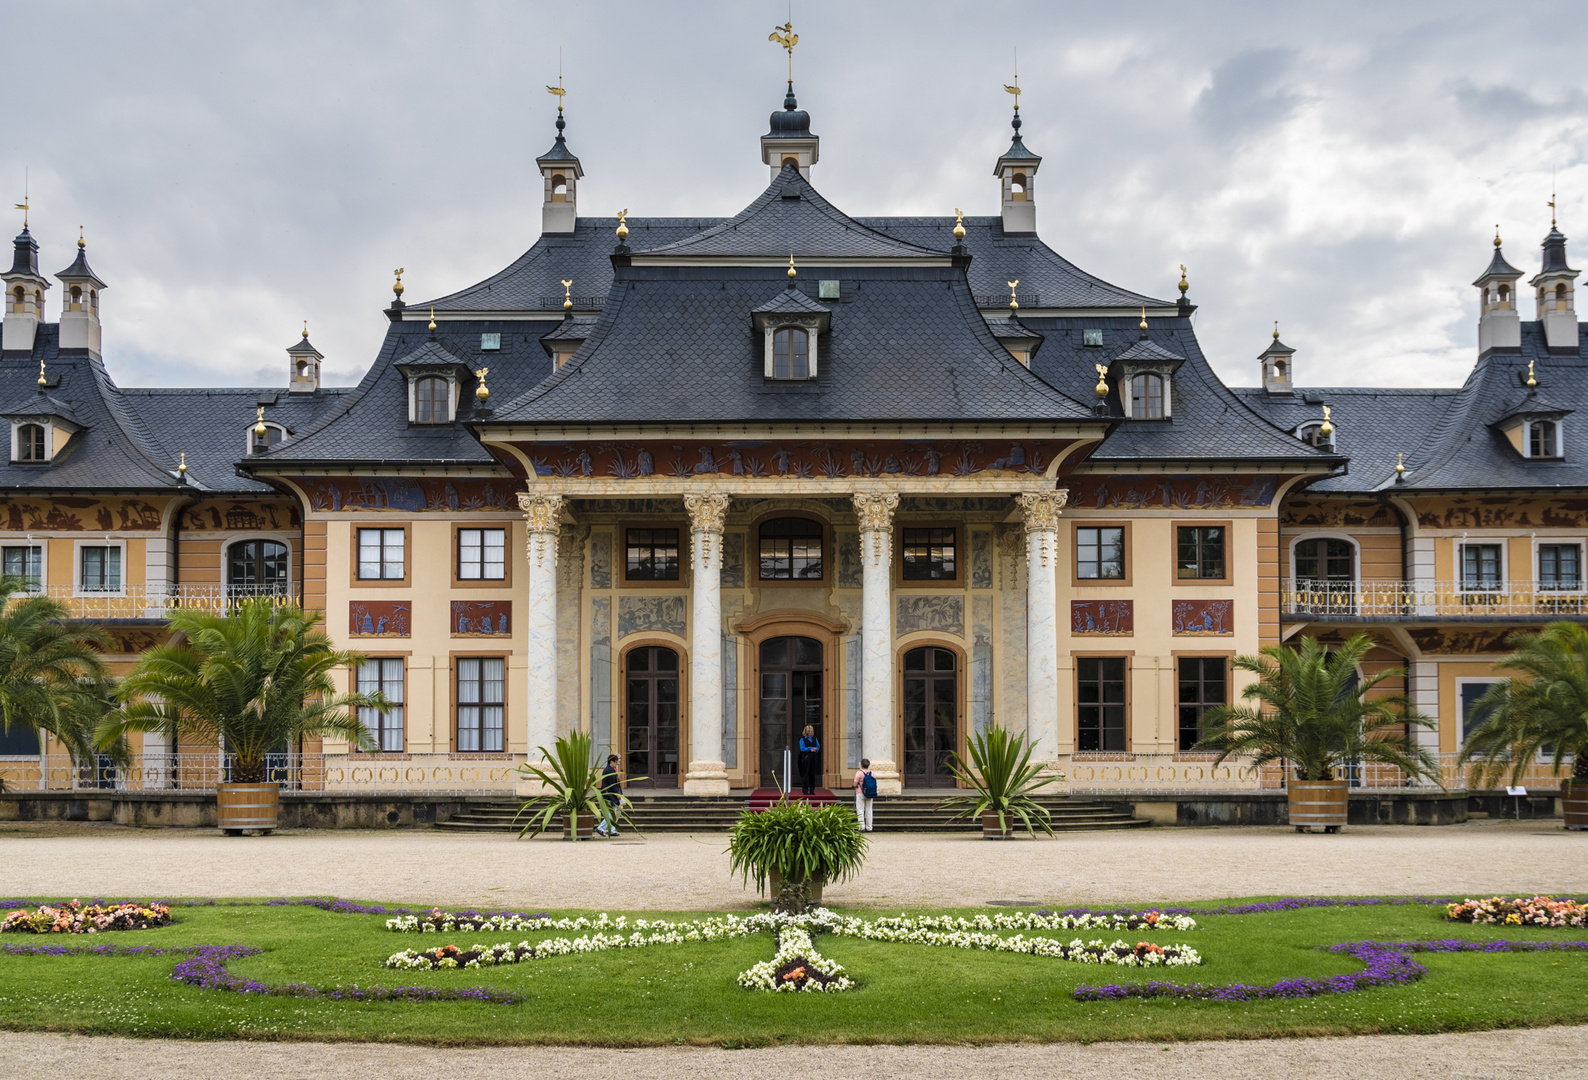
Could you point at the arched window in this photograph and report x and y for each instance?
(1560, 297)
(1543, 439)
(258, 444)
(77, 298)
(790, 356)
(791, 550)
(19, 299)
(430, 400)
(256, 567)
(1017, 187)
(559, 187)
(790, 162)
(30, 442)
(1146, 397)
(1312, 434)
(1505, 294)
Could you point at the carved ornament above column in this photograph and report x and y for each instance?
(875, 511)
(707, 515)
(543, 515)
(1041, 510)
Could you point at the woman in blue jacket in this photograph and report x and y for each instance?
(810, 760)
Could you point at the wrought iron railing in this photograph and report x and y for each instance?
(990, 301)
(1433, 599)
(1190, 773)
(330, 773)
(156, 601)
(580, 303)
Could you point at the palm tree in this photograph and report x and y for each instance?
(1312, 711)
(249, 680)
(1545, 711)
(51, 676)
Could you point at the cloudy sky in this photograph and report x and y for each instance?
(1337, 167)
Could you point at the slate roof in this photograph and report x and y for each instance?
(791, 301)
(677, 343)
(40, 403)
(1498, 267)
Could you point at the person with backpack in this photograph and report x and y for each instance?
(865, 794)
(612, 793)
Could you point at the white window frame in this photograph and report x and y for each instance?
(1356, 558)
(812, 328)
(1560, 439)
(413, 396)
(239, 538)
(1459, 565)
(358, 552)
(1128, 396)
(397, 718)
(44, 556)
(248, 435)
(1582, 567)
(482, 530)
(77, 567)
(49, 439)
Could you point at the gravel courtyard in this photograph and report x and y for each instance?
(669, 871)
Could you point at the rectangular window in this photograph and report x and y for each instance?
(1092, 338)
(791, 550)
(383, 676)
(652, 555)
(928, 554)
(1101, 697)
(26, 563)
(1480, 567)
(1100, 553)
(380, 555)
(482, 554)
(101, 569)
(1471, 718)
(490, 342)
(1559, 566)
(1541, 439)
(1199, 551)
(480, 704)
(1202, 686)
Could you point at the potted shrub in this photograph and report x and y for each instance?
(1542, 713)
(1312, 714)
(570, 792)
(1002, 779)
(797, 849)
(51, 677)
(255, 678)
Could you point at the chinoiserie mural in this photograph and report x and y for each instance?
(1172, 492)
(482, 618)
(796, 459)
(407, 493)
(1204, 618)
(650, 614)
(1102, 618)
(945, 614)
(379, 618)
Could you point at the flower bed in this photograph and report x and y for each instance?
(796, 967)
(79, 918)
(1537, 911)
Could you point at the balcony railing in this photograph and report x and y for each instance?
(1433, 599)
(156, 601)
(1185, 773)
(432, 774)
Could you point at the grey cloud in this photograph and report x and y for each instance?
(1250, 94)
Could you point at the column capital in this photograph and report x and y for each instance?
(875, 510)
(543, 514)
(707, 513)
(1041, 509)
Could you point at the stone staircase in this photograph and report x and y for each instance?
(916, 813)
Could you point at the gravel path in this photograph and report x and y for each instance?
(685, 873)
(1559, 1053)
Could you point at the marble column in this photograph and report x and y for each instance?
(707, 774)
(876, 629)
(1041, 512)
(543, 514)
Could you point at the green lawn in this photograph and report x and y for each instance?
(687, 993)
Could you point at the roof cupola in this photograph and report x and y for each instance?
(788, 140)
(24, 293)
(1279, 372)
(80, 303)
(1499, 325)
(1555, 288)
(561, 171)
(1016, 170)
(303, 365)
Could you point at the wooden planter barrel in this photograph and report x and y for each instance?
(774, 886)
(586, 823)
(1574, 803)
(990, 829)
(1318, 804)
(239, 807)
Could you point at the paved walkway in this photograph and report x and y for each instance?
(1558, 1053)
(668, 871)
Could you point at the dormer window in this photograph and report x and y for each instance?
(1312, 434)
(259, 443)
(30, 443)
(1146, 396)
(790, 354)
(432, 400)
(1543, 439)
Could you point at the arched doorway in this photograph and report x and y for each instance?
(931, 716)
(791, 697)
(650, 739)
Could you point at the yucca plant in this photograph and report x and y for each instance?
(1310, 709)
(798, 845)
(1002, 779)
(571, 785)
(1545, 711)
(51, 677)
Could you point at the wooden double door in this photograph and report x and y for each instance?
(791, 698)
(651, 722)
(931, 716)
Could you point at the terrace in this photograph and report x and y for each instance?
(1431, 601)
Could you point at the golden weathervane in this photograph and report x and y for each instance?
(482, 393)
(623, 224)
(1101, 388)
(1327, 427)
(1014, 305)
(788, 39)
(397, 288)
(959, 224)
(259, 426)
(567, 295)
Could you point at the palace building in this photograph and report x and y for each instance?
(691, 484)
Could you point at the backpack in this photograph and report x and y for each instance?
(868, 785)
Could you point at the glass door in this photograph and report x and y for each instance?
(931, 717)
(650, 747)
(791, 698)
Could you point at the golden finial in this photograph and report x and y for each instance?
(1552, 206)
(305, 329)
(1276, 329)
(43, 382)
(259, 424)
(397, 287)
(788, 39)
(623, 224)
(567, 295)
(558, 91)
(1531, 382)
(1143, 326)
(81, 243)
(1326, 428)
(791, 273)
(959, 224)
(1015, 90)
(1496, 235)
(1014, 305)
(1400, 465)
(482, 394)
(182, 465)
(432, 320)
(1184, 284)
(1101, 389)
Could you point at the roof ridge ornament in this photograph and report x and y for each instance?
(1400, 468)
(567, 294)
(26, 201)
(1326, 429)
(959, 224)
(623, 225)
(1014, 304)
(259, 423)
(1101, 389)
(43, 382)
(482, 393)
(1532, 383)
(791, 272)
(432, 324)
(1143, 326)
(181, 469)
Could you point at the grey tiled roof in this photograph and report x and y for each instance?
(1146, 349)
(1498, 267)
(791, 301)
(907, 344)
(40, 404)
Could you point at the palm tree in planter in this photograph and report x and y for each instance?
(250, 680)
(1544, 712)
(797, 849)
(52, 679)
(570, 791)
(1002, 780)
(1311, 713)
